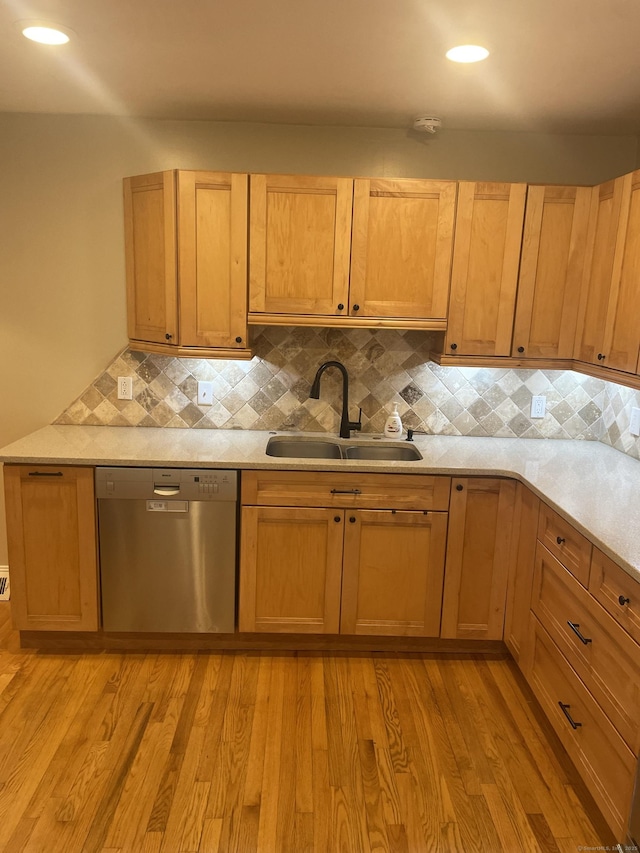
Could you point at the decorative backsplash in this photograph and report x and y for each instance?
(271, 392)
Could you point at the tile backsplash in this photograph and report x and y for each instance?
(271, 392)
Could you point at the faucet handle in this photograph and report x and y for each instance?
(357, 424)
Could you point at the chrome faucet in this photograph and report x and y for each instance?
(345, 424)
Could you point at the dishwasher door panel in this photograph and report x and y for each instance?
(168, 571)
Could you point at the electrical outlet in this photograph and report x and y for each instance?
(125, 388)
(538, 406)
(205, 393)
(634, 426)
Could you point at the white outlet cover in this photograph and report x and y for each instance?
(538, 406)
(634, 425)
(125, 388)
(205, 393)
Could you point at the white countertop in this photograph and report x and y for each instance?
(593, 486)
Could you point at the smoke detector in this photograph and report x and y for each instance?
(427, 124)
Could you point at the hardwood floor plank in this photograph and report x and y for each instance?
(268, 822)
(303, 760)
(257, 746)
(395, 735)
(210, 838)
(508, 822)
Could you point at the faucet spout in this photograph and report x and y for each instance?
(345, 424)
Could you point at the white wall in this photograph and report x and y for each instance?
(62, 292)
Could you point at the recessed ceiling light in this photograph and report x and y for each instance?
(467, 53)
(43, 33)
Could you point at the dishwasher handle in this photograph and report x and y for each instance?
(165, 491)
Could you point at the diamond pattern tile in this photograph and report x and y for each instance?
(385, 366)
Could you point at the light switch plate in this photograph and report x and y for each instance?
(205, 393)
(634, 425)
(538, 406)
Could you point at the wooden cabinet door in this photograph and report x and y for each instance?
(290, 569)
(484, 276)
(151, 262)
(51, 531)
(300, 242)
(607, 202)
(622, 331)
(392, 572)
(477, 564)
(552, 269)
(521, 567)
(401, 248)
(212, 236)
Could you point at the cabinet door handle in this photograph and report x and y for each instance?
(565, 711)
(575, 627)
(520, 349)
(336, 518)
(459, 487)
(560, 540)
(601, 356)
(45, 473)
(356, 307)
(340, 306)
(622, 600)
(346, 492)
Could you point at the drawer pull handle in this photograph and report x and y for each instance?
(560, 540)
(575, 628)
(622, 600)
(45, 473)
(565, 711)
(346, 492)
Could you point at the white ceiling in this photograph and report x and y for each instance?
(555, 65)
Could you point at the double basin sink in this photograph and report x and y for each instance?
(301, 447)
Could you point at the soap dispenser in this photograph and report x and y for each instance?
(393, 426)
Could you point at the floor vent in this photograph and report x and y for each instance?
(4, 585)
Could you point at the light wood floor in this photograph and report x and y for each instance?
(279, 753)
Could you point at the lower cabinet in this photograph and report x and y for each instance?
(291, 569)
(343, 568)
(478, 557)
(580, 655)
(51, 533)
(392, 573)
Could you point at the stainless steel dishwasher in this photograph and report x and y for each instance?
(167, 549)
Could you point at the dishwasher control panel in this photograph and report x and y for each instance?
(174, 484)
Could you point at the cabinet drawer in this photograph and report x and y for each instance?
(604, 761)
(565, 543)
(342, 489)
(617, 592)
(605, 657)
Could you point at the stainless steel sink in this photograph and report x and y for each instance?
(300, 447)
(303, 448)
(382, 452)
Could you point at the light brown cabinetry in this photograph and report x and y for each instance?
(339, 251)
(186, 254)
(478, 554)
(393, 572)
(51, 533)
(608, 333)
(521, 565)
(371, 544)
(583, 662)
(603, 759)
(552, 271)
(484, 276)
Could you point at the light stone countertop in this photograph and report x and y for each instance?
(593, 486)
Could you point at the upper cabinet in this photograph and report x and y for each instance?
(338, 251)
(401, 248)
(484, 277)
(609, 334)
(552, 270)
(300, 238)
(186, 253)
